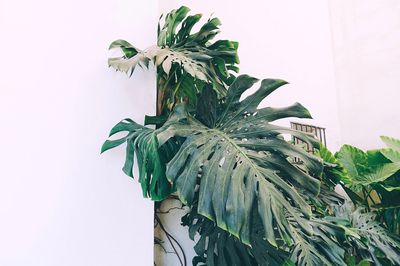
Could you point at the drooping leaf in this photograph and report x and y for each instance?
(128, 49)
(143, 142)
(130, 60)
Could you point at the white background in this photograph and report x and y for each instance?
(366, 36)
(61, 203)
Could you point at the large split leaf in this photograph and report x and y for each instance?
(152, 162)
(243, 163)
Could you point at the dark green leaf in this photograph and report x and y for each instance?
(157, 120)
(151, 160)
(230, 159)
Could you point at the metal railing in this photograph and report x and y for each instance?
(318, 132)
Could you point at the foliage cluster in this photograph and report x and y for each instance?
(218, 152)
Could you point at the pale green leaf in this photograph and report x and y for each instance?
(391, 154)
(391, 143)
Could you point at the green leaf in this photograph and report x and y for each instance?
(172, 20)
(351, 261)
(364, 263)
(128, 49)
(110, 144)
(390, 188)
(186, 27)
(353, 160)
(391, 143)
(242, 163)
(391, 154)
(375, 159)
(333, 173)
(217, 247)
(365, 168)
(321, 248)
(374, 238)
(152, 161)
(182, 57)
(379, 174)
(157, 120)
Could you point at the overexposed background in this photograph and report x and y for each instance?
(61, 203)
(366, 38)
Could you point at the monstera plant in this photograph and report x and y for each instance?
(219, 153)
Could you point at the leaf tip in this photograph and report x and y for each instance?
(103, 147)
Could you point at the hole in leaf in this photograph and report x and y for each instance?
(235, 165)
(210, 156)
(221, 162)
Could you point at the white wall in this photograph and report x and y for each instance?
(61, 203)
(284, 39)
(366, 37)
